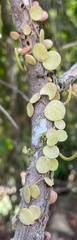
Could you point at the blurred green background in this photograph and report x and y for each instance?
(61, 28)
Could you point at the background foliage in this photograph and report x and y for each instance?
(61, 28)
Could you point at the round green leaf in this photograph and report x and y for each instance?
(40, 52)
(35, 211)
(41, 36)
(49, 89)
(55, 111)
(27, 30)
(14, 35)
(60, 124)
(53, 61)
(34, 191)
(36, 13)
(51, 152)
(53, 164)
(43, 165)
(24, 150)
(27, 194)
(52, 140)
(61, 135)
(49, 182)
(35, 97)
(50, 132)
(30, 59)
(30, 110)
(26, 216)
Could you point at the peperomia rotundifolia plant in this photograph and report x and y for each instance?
(47, 114)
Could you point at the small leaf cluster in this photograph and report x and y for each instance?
(54, 111)
(27, 216)
(50, 59)
(32, 191)
(28, 151)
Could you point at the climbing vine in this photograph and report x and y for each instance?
(54, 111)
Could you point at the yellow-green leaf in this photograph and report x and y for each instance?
(49, 89)
(35, 211)
(18, 61)
(35, 97)
(36, 13)
(53, 164)
(51, 152)
(53, 61)
(50, 132)
(61, 135)
(43, 164)
(49, 182)
(40, 52)
(26, 216)
(41, 36)
(30, 59)
(14, 35)
(52, 140)
(57, 96)
(27, 194)
(55, 111)
(60, 124)
(27, 30)
(34, 191)
(24, 150)
(49, 79)
(30, 110)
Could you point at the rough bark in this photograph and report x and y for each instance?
(37, 78)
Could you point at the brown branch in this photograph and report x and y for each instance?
(9, 117)
(72, 44)
(67, 78)
(15, 89)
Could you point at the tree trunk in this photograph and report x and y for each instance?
(37, 78)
